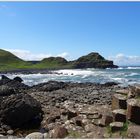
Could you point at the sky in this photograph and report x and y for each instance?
(34, 30)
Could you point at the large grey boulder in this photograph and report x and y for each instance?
(19, 109)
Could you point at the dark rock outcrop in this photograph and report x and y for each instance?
(49, 86)
(13, 83)
(93, 60)
(6, 90)
(18, 110)
(18, 79)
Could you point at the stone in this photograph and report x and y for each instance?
(78, 121)
(133, 132)
(6, 90)
(119, 101)
(135, 90)
(123, 91)
(71, 114)
(116, 126)
(10, 132)
(119, 115)
(59, 132)
(133, 110)
(3, 77)
(45, 135)
(2, 136)
(18, 79)
(35, 135)
(106, 135)
(19, 109)
(89, 128)
(104, 121)
(94, 116)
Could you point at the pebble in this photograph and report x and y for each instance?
(35, 135)
(10, 132)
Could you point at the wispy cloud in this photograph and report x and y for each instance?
(8, 11)
(27, 55)
(121, 59)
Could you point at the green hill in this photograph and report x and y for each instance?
(52, 62)
(9, 61)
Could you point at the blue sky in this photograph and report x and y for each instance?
(33, 30)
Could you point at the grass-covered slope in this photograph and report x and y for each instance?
(8, 61)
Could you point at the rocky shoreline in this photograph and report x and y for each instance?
(57, 110)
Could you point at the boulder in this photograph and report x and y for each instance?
(59, 132)
(20, 109)
(3, 77)
(18, 79)
(90, 128)
(116, 126)
(106, 120)
(119, 101)
(6, 90)
(133, 110)
(133, 132)
(10, 132)
(49, 86)
(119, 115)
(35, 135)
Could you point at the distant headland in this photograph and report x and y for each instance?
(9, 61)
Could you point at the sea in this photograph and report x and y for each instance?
(123, 75)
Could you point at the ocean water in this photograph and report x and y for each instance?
(123, 75)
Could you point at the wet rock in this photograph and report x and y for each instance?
(59, 132)
(133, 109)
(107, 84)
(3, 77)
(49, 86)
(18, 79)
(116, 126)
(17, 110)
(35, 135)
(119, 115)
(6, 90)
(119, 101)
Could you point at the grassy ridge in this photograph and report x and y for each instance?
(9, 61)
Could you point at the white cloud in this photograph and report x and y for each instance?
(27, 55)
(65, 55)
(121, 59)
